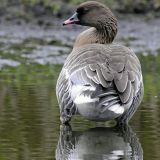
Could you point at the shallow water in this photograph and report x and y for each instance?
(30, 126)
(29, 114)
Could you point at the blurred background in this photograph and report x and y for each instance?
(59, 8)
(33, 48)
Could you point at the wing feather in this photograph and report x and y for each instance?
(118, 66)
(107, 74)
(126, 94)
(106, 66)
(122, 83)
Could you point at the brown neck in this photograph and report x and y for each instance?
(104, 34)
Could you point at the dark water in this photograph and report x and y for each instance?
(30, 127)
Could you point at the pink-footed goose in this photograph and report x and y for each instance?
(100, 80)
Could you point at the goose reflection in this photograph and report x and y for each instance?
(98, 144)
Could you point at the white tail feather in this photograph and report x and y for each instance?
(116, 109)
(78, 97)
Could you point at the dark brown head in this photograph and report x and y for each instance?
(95, 14)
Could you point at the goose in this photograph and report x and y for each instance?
(100, 80)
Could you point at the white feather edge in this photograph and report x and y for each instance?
(116, 109)
(80, 99)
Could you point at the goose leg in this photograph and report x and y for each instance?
(64, 118)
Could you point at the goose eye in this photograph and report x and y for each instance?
(82, 11)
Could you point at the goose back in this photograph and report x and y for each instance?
(111, 68)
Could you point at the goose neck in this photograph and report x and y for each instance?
(106, 32)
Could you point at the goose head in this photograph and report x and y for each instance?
(97, 15)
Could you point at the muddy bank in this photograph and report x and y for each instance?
(50, 44)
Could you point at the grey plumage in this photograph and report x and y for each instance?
(99, 81)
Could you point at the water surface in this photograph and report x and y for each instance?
(30, 126)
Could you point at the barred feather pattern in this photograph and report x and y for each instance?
(114, 71)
